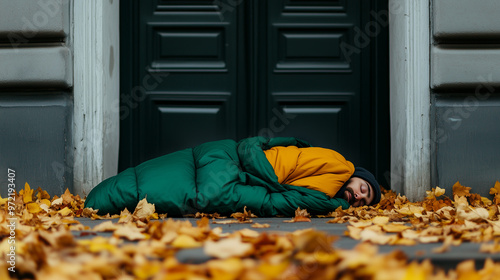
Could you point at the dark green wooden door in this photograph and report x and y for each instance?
(202, 70)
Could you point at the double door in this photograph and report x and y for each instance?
(203, 70)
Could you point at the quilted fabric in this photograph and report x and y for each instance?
(221, 176)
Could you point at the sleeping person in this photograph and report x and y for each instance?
(269, 176)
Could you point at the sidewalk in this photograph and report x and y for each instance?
(447, 260)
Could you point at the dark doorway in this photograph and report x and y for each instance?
(203, 70)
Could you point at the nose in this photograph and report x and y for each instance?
(358, 196)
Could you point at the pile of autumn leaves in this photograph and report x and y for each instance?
(52, 244)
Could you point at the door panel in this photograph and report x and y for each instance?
(193, 51)
(310, 77)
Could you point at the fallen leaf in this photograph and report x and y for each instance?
(393, 228)
(439, 191)
(67, 197)
(243, 217)
(302, 215)
(105, 226)
(185, 241)
(460, 190)
(495, 189)
(226, 269)
(57, 201)
(380, 220)
(27, 193)
(144, 211)
(89, 212)
(125, 217)
(490, 248)
(65, 211)
(131, 233)
(33, 207)
(227, 247)
(225, 222)
(257, 225)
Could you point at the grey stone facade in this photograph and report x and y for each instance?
(36, 107)
(465, 112)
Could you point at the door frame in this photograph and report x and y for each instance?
(409, 32)
(95, 39)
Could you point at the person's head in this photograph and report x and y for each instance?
(362, 188)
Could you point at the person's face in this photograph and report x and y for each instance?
(358, 192)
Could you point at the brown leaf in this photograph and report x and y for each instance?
(301, 215)
(495, 189)
(460, 190)
(144, 211)
(88, 212)
(242, 217)
(125, 217)
(67, 197)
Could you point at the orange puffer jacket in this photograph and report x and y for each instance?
(315, 168)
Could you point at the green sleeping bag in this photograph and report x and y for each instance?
(221, 176)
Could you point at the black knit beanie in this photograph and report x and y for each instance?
(364, 174)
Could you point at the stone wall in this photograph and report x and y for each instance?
(36, 102)
(465, 110)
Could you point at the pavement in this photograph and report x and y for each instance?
(446, 260)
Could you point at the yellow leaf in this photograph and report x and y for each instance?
(3, 200)
(65, 211)
(273, 271)
(185, 241)
(146, 270)
(439, 191)
(27, 193)
(228, 269)
(98, 244)
(495, 189)
(395, 228)
(33, 207)
(45, 201)
(380, 220)
(413, 272)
